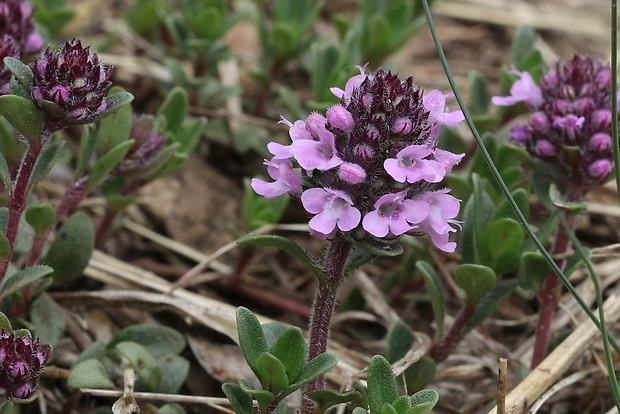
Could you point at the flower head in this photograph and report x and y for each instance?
(148, 143)
(366, 165)
(21, 362)
(570, 125)
(74, 81)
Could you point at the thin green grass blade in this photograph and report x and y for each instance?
(498, 178)
(611, 373)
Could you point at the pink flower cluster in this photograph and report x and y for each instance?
(570, 123)
(367, 167)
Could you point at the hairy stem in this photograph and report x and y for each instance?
(336, 254)
(444, 348)
(548, 297)
(18, 199)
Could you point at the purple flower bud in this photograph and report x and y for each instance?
(544, 148)
(603, 78)
(74, 80)
(584, 105)
(315, 124)
(600, 169)
(339, 117)
(601, 119)
(364, 152)
(402, 126)
(561, 106)
(351, 173)
(539, 121)
(600, 142)
(518, 133)
(22, 364)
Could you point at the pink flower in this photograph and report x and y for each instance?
(523, 90)
(435, 103)
(296, 131)
(394, 214)
(333, 209)
(410, 165)
(311, 154)
(447, 159)
(351, 84)
(286, 180)
(443, 208)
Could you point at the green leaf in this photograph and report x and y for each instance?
(402, 404)
(272, 373)
(263, 397)
(72, 247)
(106, 163)
(5, 174)
(88, 139)
(399, 339)
(359, 410)
(5, 323)
(23, 115)
(559, 200)
(290, 349)
(21, 71)
(313, 369)
(111, 132)
(240, 401)
(174, 109)
(357, 258)
(251, 337)
(259, 211)
(476, 280)
(533, 271)
(5, 247)
(115, 101)
(326, 399)
(48, 320)
(171, 408)
(522, 45)
(273, 331)
(489, 304)
(47, 158)
(478, 93)
(381, 247)
(285, 244)
(284, 39)
(174, 370)
(388, 409)
(504, 210)
(500, 245)
(157, 339)
(382, 387)
(435, 292)
(424, 401)
(145, 365)
(420, 373)
(96, 350)
(478, 210)
(22, 278)
(40, 218)
(89, 374)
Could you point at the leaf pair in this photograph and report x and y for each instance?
(281, 366)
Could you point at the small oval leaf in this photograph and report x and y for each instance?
(72, 247)
(89, 374)
(382, 387)
(476, 280)
(143, 362)
(251, 337)
(23, 115)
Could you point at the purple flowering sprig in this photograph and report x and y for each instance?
(568, 137)
(60, 88)
(365, 172)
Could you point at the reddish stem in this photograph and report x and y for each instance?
(444, 348)
(324, 304)
(18, 199)
(548, 297)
